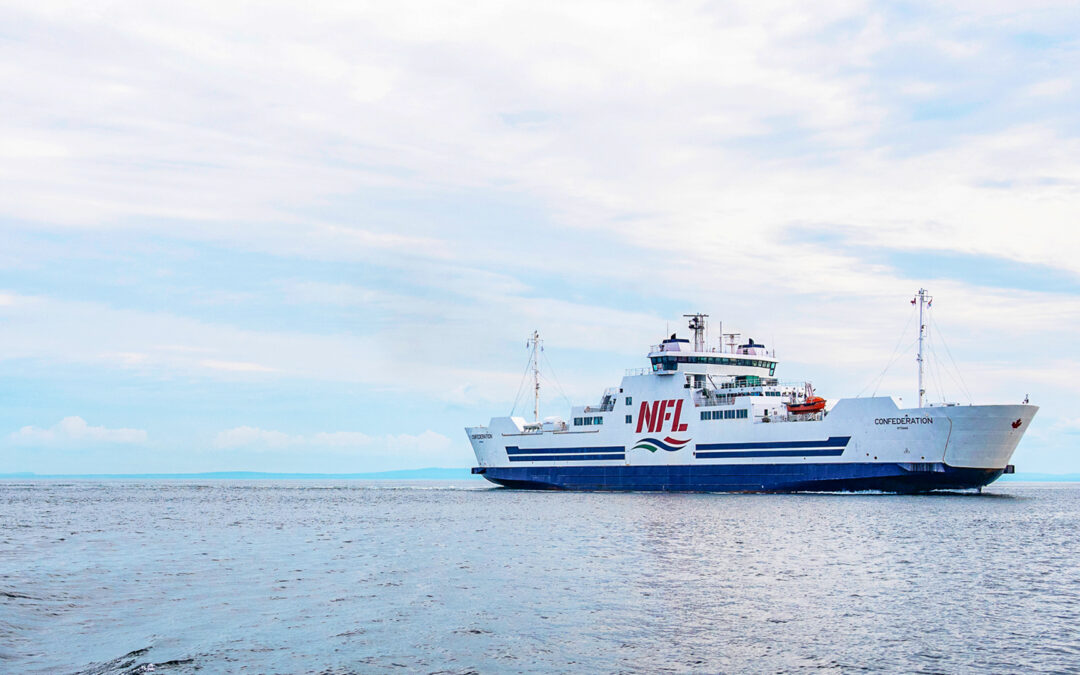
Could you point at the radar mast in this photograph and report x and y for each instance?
(924, 300)
(537, 346)
(698, 325)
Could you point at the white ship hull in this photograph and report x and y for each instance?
(861, 444)
(716, 419)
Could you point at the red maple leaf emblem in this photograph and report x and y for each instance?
(1017, 423)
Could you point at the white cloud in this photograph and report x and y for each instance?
(1067, 425)
(722, 128)
(235, 366)
(447, 345)
(752, 159)
(72, 430)
(1050, 88)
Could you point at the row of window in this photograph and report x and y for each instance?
(725, 414)
(668, 362)
(587, 421)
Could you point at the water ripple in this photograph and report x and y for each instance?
(170, 576)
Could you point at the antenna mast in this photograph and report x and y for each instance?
(697, 324)
(923, 299)
(732, 340)
(537, 345)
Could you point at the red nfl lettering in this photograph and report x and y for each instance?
(675, 426)
(647, 416)
(658, 422)
(670, 405)
(652, 416)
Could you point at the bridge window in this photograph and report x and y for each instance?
(742, 414)
(629, 419)
(670, 362)
(628, 400)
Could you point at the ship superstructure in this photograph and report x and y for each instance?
(718, 419)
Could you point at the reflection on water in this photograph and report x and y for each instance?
(363, 576)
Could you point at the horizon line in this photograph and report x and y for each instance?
(465, 471)
(428, 473)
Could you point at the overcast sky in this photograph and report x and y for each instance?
(314, 236)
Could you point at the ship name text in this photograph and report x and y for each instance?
(905, 420)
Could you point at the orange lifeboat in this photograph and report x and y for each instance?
(811, 405)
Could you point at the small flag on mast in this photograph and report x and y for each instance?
(913, 301)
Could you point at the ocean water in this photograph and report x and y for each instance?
(366, 576)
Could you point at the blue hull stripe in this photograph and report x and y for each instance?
(515, 450)
(786, 477)
(832, 442)
(565, 458)
(833, 452)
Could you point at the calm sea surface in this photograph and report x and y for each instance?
(365, 576)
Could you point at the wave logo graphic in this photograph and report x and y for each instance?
(670, 444)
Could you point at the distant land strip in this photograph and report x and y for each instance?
(403, 474)
(433, 473)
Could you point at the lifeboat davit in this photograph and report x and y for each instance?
(811, 405)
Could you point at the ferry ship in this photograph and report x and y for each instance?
(717, 419)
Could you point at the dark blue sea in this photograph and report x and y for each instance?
(369, 577)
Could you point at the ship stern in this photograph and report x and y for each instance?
(483, 444)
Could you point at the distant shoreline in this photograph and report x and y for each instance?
(433, 473)
(403, 474)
